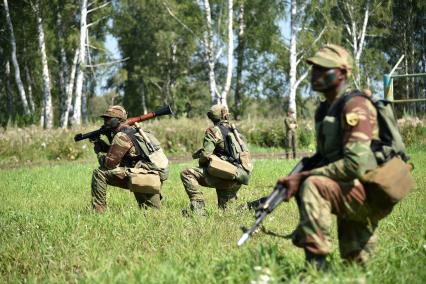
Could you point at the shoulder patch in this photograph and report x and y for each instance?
(352, 118)
(122, 139)
(211, 131)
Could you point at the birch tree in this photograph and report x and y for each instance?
(8, 90)
(297, 55)
(14, 58)
(76, 118)
(209, 50)
(29, 88)
(63, 74)
(64, 120)
(240, 60)
(293, 57)
(210, 53)
(230, 58)
(47, 97)
(356, 21)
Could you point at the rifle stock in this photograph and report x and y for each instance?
(265, 205)
(130, 121)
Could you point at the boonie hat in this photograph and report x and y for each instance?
(218, 112)
(116, 111)
(333, 56)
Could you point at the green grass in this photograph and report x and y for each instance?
(49, 234)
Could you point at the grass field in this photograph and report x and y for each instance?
(49, 234)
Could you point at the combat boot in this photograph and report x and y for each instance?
(316, 260)
(196, 207)
(226, 200)
(99, 208)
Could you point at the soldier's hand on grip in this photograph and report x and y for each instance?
(292, 183)
(100, 146)
(196, 154)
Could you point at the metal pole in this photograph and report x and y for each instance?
(409, 75)
(396, 65)
(388, 87)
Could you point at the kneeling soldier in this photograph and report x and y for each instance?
(362, 175)
(224, 162)
(134, 160)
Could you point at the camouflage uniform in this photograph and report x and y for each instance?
(290, 126)
(119, 159)
(343, 137)
(194, 178)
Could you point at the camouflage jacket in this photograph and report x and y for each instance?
(344, 138)
(122, 152)
(290, 124)
(213, 143)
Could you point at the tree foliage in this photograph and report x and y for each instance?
(161, 58)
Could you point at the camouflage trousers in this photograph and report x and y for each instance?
(117, 177)
(318, 198)
(194, 178)
(290, 144)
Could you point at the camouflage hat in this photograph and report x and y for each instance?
(115, 111)
(217, 112)
(333, 56)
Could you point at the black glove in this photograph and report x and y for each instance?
(100, 146)
(196, 154)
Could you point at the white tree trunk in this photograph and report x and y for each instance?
(76, 119)
(209, 52)
(8, 90)
(356, 37)
(143, 97)
(18, 80)
(361, 43)
(62, 67)
(47, 97)
(240, 58)
(84, 99)
(293, 57)
(29, 89)
(224, 95)
(70, 86)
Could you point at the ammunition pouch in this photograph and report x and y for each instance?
(221, 169)
(246, 163)
(143, 181)
(389, 183)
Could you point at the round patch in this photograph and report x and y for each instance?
(352, 118)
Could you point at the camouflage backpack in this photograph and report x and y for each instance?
(235, 147)
(149, 150)
(390, 143)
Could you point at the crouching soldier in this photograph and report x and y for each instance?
(224, 163)
(134, 160)
(363, 174)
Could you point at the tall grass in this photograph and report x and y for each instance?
(49, 234)
(178, 137)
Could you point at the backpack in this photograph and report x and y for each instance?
(235, 147)
(390, 143)
(391, 181)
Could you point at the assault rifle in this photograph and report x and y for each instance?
(265, 205)
(94, 135)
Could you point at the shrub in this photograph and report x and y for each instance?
(178, 136)
(413, 130)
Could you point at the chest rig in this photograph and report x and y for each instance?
(147, 148)
(329, 130)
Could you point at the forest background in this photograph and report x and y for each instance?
(57, 72)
